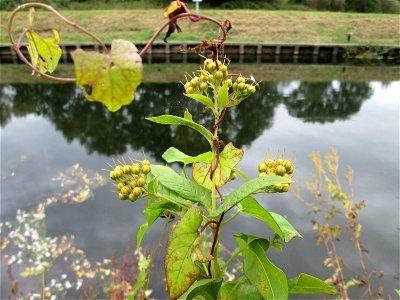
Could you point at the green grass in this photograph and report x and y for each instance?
(248, 26)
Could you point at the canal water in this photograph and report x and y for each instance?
(47, 129)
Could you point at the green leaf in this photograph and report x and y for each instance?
(157, 190)
(202, 99)
(244, 176)
(278, 224)
(141, 278)
(307, 284)
(241, 289)
(269, 280)
(206, 288)
(228, 159)
(109, 78)
(287, 229)
(170, 120)
(183, 242)
(222, 98)
(185, 188)
(245, 190)
(187, 115)
(174, 155)
(44, 53)
(152, 212)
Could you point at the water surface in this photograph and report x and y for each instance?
(48, 128)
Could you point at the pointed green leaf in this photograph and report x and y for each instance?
(222, 97)
(44, 53)
(269, 280)
(228, 159)
(249, 187)
(173, 120)
(206, 288)
(287, 229)
(109, 78)
(159, 191)
(307, 284)
(180, 268)
(174, 155)
(185, 188)
(278, 224)
(241, 289)
(202, 99)
(152, 212)
(187, 115)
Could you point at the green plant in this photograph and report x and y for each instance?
(193, 264)
(336, 213)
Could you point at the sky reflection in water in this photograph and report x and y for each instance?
(48, 128)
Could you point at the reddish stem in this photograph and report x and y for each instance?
(193, 18)
(215, 241)
(219, 121)
(208, 223)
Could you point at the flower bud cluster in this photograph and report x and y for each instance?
(280, 167)
(213, 76)
(131, 179)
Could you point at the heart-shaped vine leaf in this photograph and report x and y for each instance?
(183, 244)
(44, 53)
(228, 159)
(109, 78)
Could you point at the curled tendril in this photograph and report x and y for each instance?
(17, 45)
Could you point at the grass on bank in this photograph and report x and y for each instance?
(248, 26)
(265, 72)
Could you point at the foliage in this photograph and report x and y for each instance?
(336, 212)
(191, 255)
(201, 205)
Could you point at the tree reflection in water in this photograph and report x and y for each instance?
(103, 132)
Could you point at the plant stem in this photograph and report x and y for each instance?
(232, 217)
(193, 18)
(366, 274)
(233, 257)
(43, 286)
(17, 46)
(339, 265)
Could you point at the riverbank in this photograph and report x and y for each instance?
(265, 72)
(248, 26)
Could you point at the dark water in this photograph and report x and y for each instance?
(48, 128)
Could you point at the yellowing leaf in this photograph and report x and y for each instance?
(4, 244)
(109, 78)
(44, 53)
(180, 269)
(173, 6)
(228, 159)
